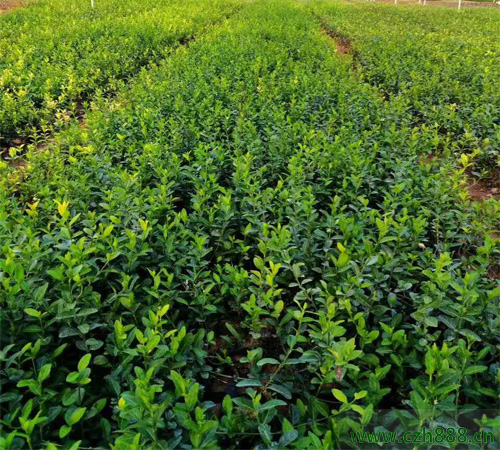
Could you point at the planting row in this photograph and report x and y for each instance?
(243, 250)
(55, 55)
(442, 66)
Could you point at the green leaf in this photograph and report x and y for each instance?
(339, 395)
(39, 292)
(471, 370)
(288, 438)
(73, 377)
(271, 404)
(179, 383)
(115, 385)
(32, 385)
(100, 404)
(44, 373)
(33, 312)
(287, 426)
(192, 396)
(281, 390)
(227, 405)
(107, 231)
(56, 274)
(84, 362)
(75, 416)
(63, 431)
(24, 383)
(265, 433)
(267, 361)
(75, 446)
(493, 423)
(249, 383)
(342, 260)
(93, 344)
(360, 395)
(258, 263)
(233, 331)
(431, 321)
(70, 397)
(68, 332)
(59, 350)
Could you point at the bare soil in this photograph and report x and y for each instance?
(427, 158)
(6, 5)
(342, 46)
(480, 190)
(342, 43)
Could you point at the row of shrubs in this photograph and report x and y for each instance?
(444, 67)
(245, 248)
(57, 55)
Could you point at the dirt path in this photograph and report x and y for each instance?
(6, 5)
(342, 44)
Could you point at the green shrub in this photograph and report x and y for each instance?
(57, 55)
(243, 250)
(443, 67)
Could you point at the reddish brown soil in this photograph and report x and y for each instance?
(6, 5)
(342, 47)
(428, 158)
(342, 44)
(485, 189)
(481, 191)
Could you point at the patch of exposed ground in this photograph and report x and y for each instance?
(343, 47)
(342, 43)
(427, 158)
(6, 5)
(480, 190)
(21, 143)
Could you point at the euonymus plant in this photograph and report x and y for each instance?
(245, 247)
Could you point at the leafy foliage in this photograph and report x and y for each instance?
(57, 54)
(243, 249)
(443, 68)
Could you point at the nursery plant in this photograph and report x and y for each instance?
(255, 242)
(57, 56)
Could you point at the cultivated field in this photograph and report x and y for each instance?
(259, 224)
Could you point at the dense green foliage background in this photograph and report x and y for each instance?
(56, 55)
(442, 67)
(247, 246)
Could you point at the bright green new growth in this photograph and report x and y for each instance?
(247, 248)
